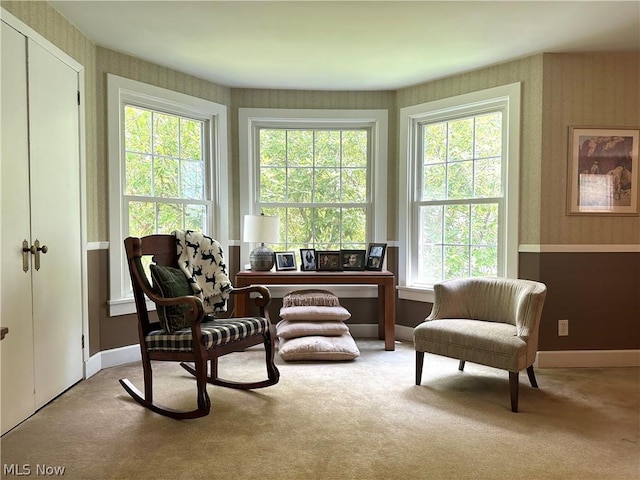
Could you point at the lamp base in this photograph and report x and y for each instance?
(262, 258)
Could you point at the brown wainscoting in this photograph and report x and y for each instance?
(599, 293)
(105, 332)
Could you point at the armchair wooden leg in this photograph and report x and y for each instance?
(513, 387)
(419, 362)
(461, 365)
(532, 376)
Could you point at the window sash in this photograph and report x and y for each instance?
(155, 199)
(315, 168)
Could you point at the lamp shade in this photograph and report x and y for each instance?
(261, 228)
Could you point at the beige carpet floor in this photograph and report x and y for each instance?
(343, 420)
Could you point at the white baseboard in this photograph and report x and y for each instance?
(545, 359)
(370, 330)
(567, 358)
(588, 358)
(93, 365)
(363, 330)
(404, 334)
(111, 358)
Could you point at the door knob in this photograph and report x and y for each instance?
(25, 255)
(35, 250)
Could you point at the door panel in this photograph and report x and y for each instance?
(55, 222)
(17, 347)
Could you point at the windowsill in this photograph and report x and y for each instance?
(416, 294)
(126, 306)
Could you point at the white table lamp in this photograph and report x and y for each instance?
(261, 229)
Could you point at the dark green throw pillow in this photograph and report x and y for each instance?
(171, 282)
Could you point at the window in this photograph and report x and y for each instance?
(317, 183)
(165, 172)
(167, 159)
(323, 173)
(460, 182)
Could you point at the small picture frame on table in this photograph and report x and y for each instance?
(308, 260)
(375, 256)
(328, 261)
(353, 260)
(285, 261)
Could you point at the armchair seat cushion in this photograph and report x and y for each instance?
(493, 344)
(214, 333)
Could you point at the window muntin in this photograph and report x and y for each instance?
(460, 178)
(165, 172)
(317, 181)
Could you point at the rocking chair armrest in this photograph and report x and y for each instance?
(264, 295)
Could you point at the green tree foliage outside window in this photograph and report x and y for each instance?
(164, 172)
(460, 194)
(316, 182)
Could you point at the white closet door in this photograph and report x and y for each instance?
(55, 222)
(15, 303)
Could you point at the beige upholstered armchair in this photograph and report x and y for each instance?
(490, 321)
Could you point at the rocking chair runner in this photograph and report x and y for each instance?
(201, 343)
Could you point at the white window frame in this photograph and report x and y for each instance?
(122, 91)
(507, 97)
(251, 119)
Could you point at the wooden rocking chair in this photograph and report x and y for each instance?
(201, 343)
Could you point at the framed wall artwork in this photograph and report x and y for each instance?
(285, 261)
(329, 261)
(375, 256)
(603, 171)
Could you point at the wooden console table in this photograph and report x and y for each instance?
(384, 280)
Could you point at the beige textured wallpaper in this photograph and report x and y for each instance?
(109, 61)
(558, 90)
(593, 90)
(44, 19)
(529, 72)
(97, 61)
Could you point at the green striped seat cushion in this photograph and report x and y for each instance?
(214, 333)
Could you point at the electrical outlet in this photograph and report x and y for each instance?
(563, 328)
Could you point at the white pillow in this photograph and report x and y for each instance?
(319, 348)
(293, 329)
(313, 313)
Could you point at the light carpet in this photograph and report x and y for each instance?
(363, 419)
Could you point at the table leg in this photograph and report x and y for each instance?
(390, 315)
(387, 309)
(381, 313)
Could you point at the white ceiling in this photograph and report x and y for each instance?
(348, 45)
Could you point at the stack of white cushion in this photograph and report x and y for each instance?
(313, 328)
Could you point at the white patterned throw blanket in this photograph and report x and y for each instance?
(201, 259)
